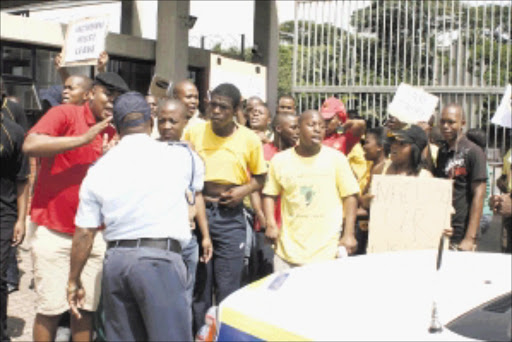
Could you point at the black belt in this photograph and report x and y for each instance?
(165, 244)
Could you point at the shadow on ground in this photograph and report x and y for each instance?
(15, 326)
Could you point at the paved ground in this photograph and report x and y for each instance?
(22, 303)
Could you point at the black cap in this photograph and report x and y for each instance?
(130, 102)
(411, 134)
(52, 95)
(112, 82)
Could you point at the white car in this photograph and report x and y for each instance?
(387, 296)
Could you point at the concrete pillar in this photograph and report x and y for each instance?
(130, 19)
(266, 38)
(172, 39)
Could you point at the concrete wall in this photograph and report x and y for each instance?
(44, 33)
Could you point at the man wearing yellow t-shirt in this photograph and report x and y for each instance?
(316, 184)
(234, 168)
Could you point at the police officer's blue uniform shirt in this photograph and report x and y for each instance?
(138, 190)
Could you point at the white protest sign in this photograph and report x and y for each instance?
(85, 40)
(412, 105)
(249, 78)
(408, 213)
(503, 115)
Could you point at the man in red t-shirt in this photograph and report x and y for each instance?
(286, 135)
(68, 139)
(334, 113)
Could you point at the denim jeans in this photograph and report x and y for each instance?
(190, 255)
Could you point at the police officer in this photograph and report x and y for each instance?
(137, 190)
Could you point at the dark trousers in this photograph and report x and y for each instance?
(261, 263)
(13, 272)
(144, 295)
(224, 272)
(6, 230)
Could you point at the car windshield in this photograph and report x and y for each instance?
(490, 321)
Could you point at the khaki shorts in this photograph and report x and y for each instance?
(51, 254)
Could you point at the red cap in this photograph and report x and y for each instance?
(332, 106)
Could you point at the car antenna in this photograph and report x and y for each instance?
(435, 325)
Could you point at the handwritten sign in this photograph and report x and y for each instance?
(251, 79)
(85, 40)
(408, 213)
(412, 105)
(160, 86)
(503, 115)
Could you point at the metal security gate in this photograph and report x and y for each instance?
(360, 51)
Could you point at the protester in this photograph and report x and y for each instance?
(259, 121)
(464, 162)
(76, 89)
(172, 119)
(186, 92)
(501, 204)
(334, 114)
(12, 110)
(286, 135)
(250, 103)
(316, 187)
(376, 150)
(478, 137)
(355, 128)
(235, 167)
(286, 105)
(13, 203)
(68, 139)
(406, 146)
(145, 280)
(152, 101)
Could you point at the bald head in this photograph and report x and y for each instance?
(311, 113)
(76, 89)
(186, 92)
(455, 109)
(172, 105)
(172, 119)
(452, 121)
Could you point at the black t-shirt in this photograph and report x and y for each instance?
(465, 165)
(14, 112)
(14, 168)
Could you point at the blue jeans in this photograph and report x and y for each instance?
(190, 255)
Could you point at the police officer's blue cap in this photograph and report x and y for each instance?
(130, 102)
(111, 81)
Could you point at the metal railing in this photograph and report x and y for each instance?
(360, 51)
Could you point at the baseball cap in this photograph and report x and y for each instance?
(130, 102)
(411, 134)
(333, 106)
(112, 82)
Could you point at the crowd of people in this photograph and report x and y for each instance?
(191, 206)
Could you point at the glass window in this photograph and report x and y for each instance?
(17, 61)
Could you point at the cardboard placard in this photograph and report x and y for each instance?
(160, 86)
(503, 115)
(408, 213)
(249, 78)
(85, 41)
(412, 105)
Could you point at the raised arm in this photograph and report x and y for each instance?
(42, 145)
